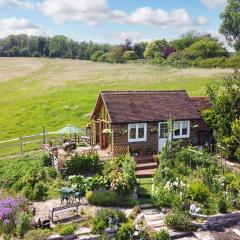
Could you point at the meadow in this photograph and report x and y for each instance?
(36, 92)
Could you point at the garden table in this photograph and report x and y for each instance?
(66, 194)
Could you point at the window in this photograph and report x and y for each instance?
(181, 129)
(137, 132)
(163, 130)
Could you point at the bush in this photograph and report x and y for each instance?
(40, 192)
(104, 58)
(222, 205)
(220, 62)
(24, 224)
(109, 199)
(36, 54)
(52, 172)
(83, 164)
(115, 55)
(68, 229)
(129, 55)
(46, 160)
(199, 192)
(179, 221)
(125, 232)
(96, 55)
(37, 234)
(161, 235)
(107, 218)
(234, 61)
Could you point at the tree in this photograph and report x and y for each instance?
(206, 48)
(96, 55)
(116, 55)
(154, 49)
(185, 41)
(230, 26)
(225, 111)
(127, 45)
(129, 55)
(139, 49)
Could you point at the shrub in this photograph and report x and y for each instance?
(219, 62)
(178, 221)
(110, 199)
(115, 55)
(125, 232)
(40, 192)
(107, 218)
(24, 224)
(104, 58)
(234, 61)
(46, 160)
(68, 229)
(161, 235)
(96, 55)
(52, 172)
(222, 205)
(198, 191)
(82, 164)
(37, 234)
(129, 55)
(36, 54)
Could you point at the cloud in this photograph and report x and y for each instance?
(214, 3)
(158, 17)
(17, 3)
(92, 12)
(201, 20)
(97, 11)
(16, 26)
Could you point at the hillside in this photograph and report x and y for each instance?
(54, 92)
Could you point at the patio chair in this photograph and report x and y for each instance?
(78, 195)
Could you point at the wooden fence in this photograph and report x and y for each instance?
(23, 144)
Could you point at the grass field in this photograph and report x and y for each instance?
(54, 92)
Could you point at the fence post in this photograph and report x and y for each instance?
(44, 136)
(21, 145)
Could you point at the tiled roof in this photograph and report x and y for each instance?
(148, 106)
(201, 103)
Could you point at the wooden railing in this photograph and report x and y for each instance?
(120, 150)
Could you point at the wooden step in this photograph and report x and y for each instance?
(145, 173)
(148, 165)
(144, 159)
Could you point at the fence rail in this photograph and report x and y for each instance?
(18, 146)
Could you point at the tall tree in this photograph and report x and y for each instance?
(230, 26)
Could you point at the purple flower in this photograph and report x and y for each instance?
(6, 221)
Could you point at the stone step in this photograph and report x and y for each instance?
(236, 231)
(148, 165)
(146, 206)
(145, 173)
(151, 211)
(154, 217)
(203, 236)
(156, 224)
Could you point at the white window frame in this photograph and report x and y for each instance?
(137, 139)
(181, 128)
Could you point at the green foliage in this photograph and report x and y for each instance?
(110, 199)
(120, 174)
(115, 55)
(154, 49)
(206, 48)
(36, 54)
(24, 224)
(46, 159)
(107, 218)
(37, 234)
(125, 232)
(178, 59)
(197, 191)
(65, 230)
(225, 111)
(83, 163)
(179, 221)
(130, 55)
(222, 205)
(161, 235)
(96, 55)
(230, 23)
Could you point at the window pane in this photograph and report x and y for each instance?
(177, 128)
(184, 128)
(133, 132)
(141, 132)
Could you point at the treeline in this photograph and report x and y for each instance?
(55, 47)
(190, 49)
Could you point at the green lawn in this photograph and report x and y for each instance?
(55, 92)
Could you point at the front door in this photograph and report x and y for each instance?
(163, 135)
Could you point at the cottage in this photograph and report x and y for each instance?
(139, 120)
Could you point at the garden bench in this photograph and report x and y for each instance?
(63, 207)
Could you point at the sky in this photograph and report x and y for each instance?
(110, 21)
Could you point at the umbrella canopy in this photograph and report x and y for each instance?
(69, 129)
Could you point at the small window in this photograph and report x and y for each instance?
(181, 129)
(137, 132)
(163, 130)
